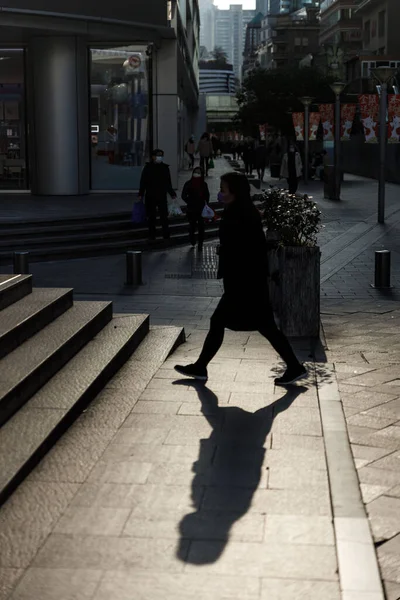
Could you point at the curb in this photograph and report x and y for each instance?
(359, 573)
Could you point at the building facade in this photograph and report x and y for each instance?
(88, 89)
(341, 26)
(380, 26)
(230, 33)
(207, 24)
(251, 45)
(289, 39)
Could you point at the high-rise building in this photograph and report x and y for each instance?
(207, 24)
(282, 7)
(341, 25)
(262, 7)
(289, 39)
(230, 33)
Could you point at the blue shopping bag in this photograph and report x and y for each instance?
(138, 213)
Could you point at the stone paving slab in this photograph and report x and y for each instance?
(374, 424)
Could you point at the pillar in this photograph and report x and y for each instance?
(59, 129)
(166, 105)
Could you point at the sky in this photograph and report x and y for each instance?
(247, 4)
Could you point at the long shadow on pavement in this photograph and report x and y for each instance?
(231, 478)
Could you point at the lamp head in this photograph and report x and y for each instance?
(337, 87)
(306, 100)
(383, 74)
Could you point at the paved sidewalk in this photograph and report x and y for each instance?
(364, 346)
(234, 490)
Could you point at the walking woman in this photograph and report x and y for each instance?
(292, 168)
(243, 266)
(196, 195)
(205, 149)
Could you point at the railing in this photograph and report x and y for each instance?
(326, 4)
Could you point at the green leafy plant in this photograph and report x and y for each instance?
(295, 217)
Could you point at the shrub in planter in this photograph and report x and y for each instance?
(294, 222)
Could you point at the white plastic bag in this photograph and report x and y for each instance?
(174, 210)
(208, 212)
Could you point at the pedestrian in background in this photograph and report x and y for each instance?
(155, 184)
(196, 195)
(205, 150)
(261, 159)
(248, 157)
(190, 149)
(243, 266)
(292, 168)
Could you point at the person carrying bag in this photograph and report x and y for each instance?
(196, 195)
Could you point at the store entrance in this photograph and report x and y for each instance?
(13, 151)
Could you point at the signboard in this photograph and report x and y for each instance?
(314, 121)
(298, 123)
(327, 119)
(394, 119)
(347, 113)
(369, 107)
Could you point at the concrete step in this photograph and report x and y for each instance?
(41, 422)
(25, 370)
(62, 227)
(24, 318)
(13, 288)
(107, 247)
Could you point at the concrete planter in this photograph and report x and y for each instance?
(295, 289)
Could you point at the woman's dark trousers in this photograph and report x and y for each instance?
(196, 221)
(293, 184)
(267, 328)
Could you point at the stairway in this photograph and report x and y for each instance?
(56, 355)
(87, 236)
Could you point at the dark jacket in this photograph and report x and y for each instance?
(155, 182)
(261, 154)
(195, 197)
(243, 263)
(243, 266)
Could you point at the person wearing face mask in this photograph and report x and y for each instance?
(292, 168)
(196, 195)
(243, 266)
(190, 149)
(155, 184)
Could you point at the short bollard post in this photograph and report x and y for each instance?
(133, 267)
(21, 263)
(382, 269)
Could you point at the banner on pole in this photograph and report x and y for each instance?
(298, 123)
(394, 119)
(327, 118)
(314, 118)
(369, 107)
(262, 131)
(348, 112)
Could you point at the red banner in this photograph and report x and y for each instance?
(369, 107)
(394, 119)
(298, 122)
(262, 129)
(327, 119)
(315, 119)
(348, 112)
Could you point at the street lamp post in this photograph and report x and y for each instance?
(383, 75)
(306, 101)
(337, 89)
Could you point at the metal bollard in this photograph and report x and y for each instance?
(382, 269)
(133, 267)
(21, 263)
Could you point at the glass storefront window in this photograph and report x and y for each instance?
(13, 152)
(119, 116)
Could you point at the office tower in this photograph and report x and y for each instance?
(230, 33)
(207, 24)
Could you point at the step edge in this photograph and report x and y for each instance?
(25, 388)
(101, 379)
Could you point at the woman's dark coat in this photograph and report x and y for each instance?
(243, 266)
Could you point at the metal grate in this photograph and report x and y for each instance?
(204, 265)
